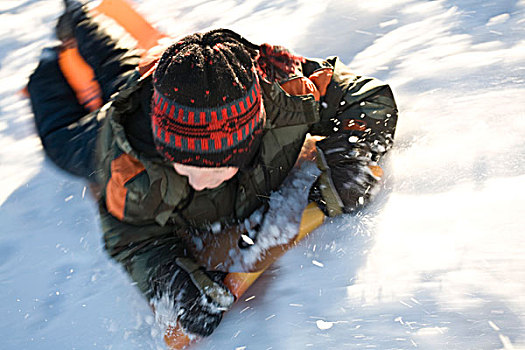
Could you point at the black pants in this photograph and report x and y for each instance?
(67, 130)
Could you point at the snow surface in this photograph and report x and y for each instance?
(435, 263)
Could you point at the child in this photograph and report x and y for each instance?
(202, 136)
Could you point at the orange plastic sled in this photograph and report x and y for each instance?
(134, 23)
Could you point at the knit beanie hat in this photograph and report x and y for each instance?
(207, 104)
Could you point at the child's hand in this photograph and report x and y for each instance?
(349, 177)
(198, 297)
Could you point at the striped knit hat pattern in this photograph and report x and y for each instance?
(207, 104)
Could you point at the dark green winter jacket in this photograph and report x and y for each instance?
(145, 203)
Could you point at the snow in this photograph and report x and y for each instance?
(436, 262)
(281, 223)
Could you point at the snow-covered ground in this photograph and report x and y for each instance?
(437, 262)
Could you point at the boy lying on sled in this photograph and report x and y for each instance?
(201, 137)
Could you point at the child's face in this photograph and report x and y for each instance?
(202, 177)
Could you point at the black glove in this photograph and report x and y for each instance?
(200, 297)
(349, 175)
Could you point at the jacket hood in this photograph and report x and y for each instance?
(131, 119)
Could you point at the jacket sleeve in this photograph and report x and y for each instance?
(357, 105)
(140, 249)
(358, 116)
